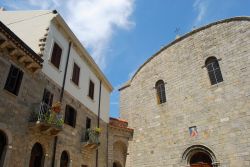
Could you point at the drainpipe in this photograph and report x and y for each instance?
(98, 119)
(65, 73)
(61, 97)
(107, 151)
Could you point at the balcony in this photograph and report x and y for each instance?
(45, 119)
(90, 139)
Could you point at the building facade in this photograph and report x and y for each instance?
(54, 98)
(189, 103)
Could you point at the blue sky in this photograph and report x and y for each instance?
(122, 34)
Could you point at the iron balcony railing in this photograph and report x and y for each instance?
(43, 113)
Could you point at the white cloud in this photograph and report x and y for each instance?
(93, 21)
(201, 6)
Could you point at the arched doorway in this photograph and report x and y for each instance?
(37, 156)
(117, 164)
(3, 143)
(64, 162)
(199, 156)
(200, 159)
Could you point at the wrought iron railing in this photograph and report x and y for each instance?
(91, 136)
(43, 113)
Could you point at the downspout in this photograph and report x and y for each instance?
(98, 119)
(107, 151)
(61, 97)
(65, 73)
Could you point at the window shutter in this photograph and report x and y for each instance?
(91, 89)
(14, 80)
(56, 55)
(76, 74)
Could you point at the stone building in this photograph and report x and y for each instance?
(54, 99)
(189, 103)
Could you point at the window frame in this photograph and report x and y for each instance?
(74, 77)
(214, 71)
(15, 88)
(53, 59)
(68, 118)
(160, 92)
(91, 92)
(50, 97)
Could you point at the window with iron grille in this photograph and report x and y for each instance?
(76, 74)
(91, 89)
(70, 116)
(160, 91)
(14, 80)
(47, 97)
(214, 71)
(56, 55)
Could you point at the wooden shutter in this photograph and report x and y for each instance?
(70, 116)
(91, 89)
(56, 55)
(14, 80)
(76, 74)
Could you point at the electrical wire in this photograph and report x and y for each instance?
(54, 12)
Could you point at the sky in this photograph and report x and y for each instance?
(122, 34)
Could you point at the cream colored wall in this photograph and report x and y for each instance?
(80, 92)
(23, 24)
(48, 68)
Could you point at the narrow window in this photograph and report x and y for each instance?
(3, 143)
(214, 71)
(37, 156)
(160, 91)
(56, 55)
(70, 116)
(47, 97)
(88, 126)
(91, 89)
(14, 80)
(76, 74)
(64, 159)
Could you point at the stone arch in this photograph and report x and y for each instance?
(119, 153)
(45, 145)
(8, 134)
(192, 151)
(4, 159)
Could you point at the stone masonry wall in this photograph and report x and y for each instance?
(220, 112)
(15, 112)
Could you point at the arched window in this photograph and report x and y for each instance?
(160, 90)
(3, 143)
(213, 69)
(70, 116)
(64, 159)
(37, 156)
